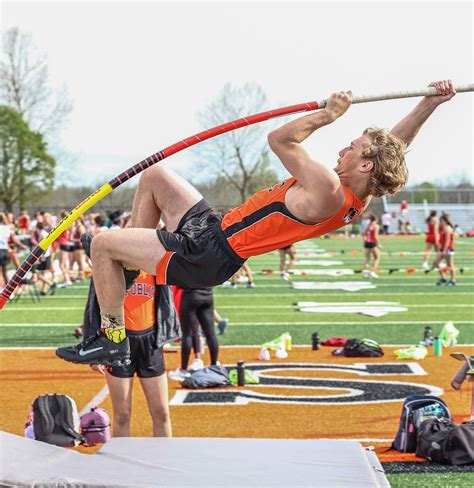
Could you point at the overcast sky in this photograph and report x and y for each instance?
(138, 72)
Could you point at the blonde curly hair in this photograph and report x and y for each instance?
(387, 151)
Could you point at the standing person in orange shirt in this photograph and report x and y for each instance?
(147, 337)
(201, 248)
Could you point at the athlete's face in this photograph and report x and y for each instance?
(350, 158)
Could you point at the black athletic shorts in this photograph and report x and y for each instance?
(4, 257)
(198, 255)
(44, 264)
(67, 247)
(147, 361)
(369, 245)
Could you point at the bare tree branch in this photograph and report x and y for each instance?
(237, 154)
(24, 85)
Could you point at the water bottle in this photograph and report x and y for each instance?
(241, 373)
(437, 346)
(315, 341)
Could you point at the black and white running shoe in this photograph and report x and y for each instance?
(97, 350)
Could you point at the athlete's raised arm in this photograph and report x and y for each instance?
(410, 125)
(286, 144)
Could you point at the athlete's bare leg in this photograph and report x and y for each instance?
(160, 193)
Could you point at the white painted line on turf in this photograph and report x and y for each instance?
(255, 307)
(32, 324)
(96, 401)
(261, 286)
(287, 323)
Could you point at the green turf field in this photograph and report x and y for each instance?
(264, 312)
(259, 314)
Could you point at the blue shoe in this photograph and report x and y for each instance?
(222, 326)
(451, 283)
(440, 282)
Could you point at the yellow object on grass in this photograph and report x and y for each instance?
(281, 342)
(412, 352)
(449, 334)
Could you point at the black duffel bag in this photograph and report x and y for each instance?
(442, 441)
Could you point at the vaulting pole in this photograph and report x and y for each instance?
(105, 189)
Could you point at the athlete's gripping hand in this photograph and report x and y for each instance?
(338, 103)
(445, 91)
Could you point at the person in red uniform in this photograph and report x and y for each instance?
(201, 248)
(445, 251)
(371, 247)
(24, 223)
(432, 238)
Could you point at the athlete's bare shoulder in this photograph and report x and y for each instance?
(314, 205)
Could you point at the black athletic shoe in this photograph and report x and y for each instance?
(97, 350)
(130, 274)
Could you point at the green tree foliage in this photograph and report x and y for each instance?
(426, 191)
(27, 170)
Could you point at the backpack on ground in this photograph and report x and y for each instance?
(54, 419)
(355, 348)
(210, 377)
(442, 441)
(416, 409)
(95, 426)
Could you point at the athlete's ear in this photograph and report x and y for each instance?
(366, 166)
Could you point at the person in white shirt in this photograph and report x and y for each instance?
(5, 232)
(386, 221)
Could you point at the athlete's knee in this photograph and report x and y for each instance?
(101, 244)
(153, 177)
(160, 414)
(122, 416)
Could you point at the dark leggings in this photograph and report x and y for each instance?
(197, 309)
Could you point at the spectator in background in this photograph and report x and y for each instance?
(432, 238)
(446, 251)
(195, 310)
(77, 230)
(403, 220)
(13, 244)
(285, 266)
(5, 232)
(458, 231)
(24, 223)
(245, 269)
(45, 264)
(220, 322)
(364, 222)
(66, 248)
(118, 219)
(386, 221)
(371, 249)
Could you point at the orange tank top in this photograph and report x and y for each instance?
(139, 304)
(263, 223)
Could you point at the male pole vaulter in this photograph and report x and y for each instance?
(200, 249)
